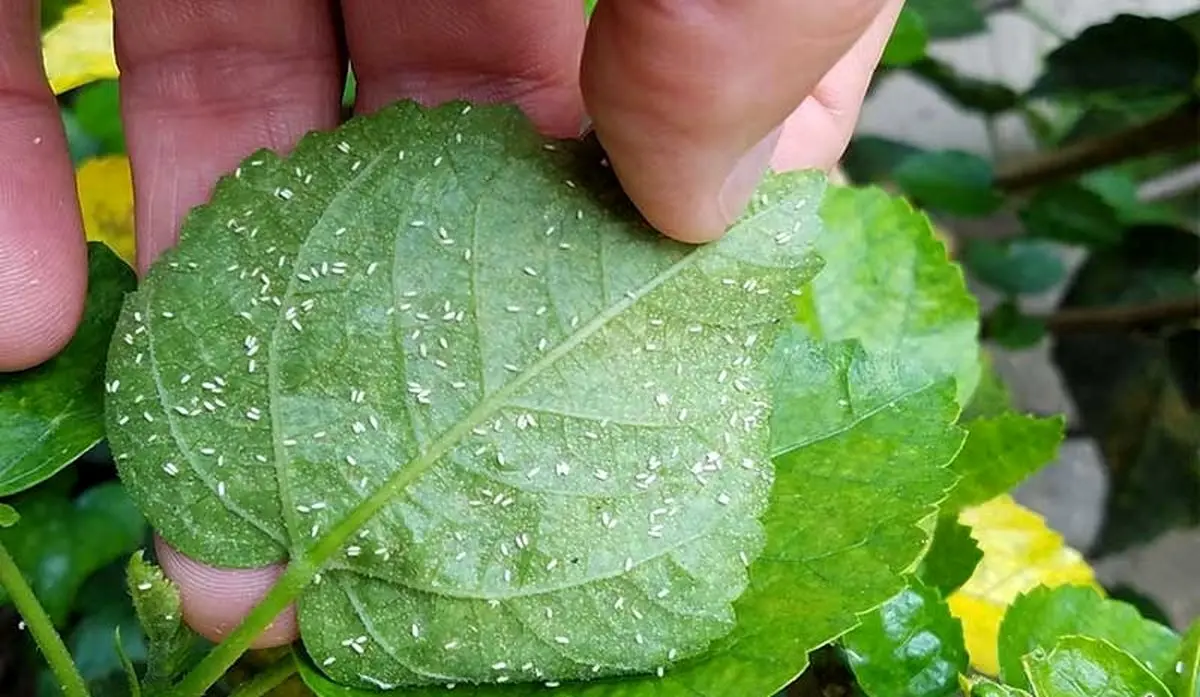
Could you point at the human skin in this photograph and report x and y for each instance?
(692, 100)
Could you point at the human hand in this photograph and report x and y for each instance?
(691, 99)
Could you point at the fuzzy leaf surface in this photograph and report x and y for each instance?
(862, 438)
(53, 413)
(574, 408)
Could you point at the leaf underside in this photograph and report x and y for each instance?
(575, 407)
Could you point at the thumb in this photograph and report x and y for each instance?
(689, 97)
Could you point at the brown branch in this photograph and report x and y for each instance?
(1176, 129)
(1122, 317)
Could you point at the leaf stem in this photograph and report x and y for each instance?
(41, 627)
(274, 676)
(1172, 130)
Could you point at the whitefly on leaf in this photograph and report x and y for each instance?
(572, 409)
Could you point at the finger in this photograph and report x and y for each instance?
(206, 82)
(482, 50)
(43, 259)
(203, 84)
(688, 97)
(216, 600)
(817, 133)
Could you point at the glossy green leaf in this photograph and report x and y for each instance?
(907, 41)
(8, 516)
(952, 558)
(983, 687)
(58, 542)
(1000, 452)
(1081, 666)
(949, 19)
(1039, 619)
(1129, 56)
(950, 181)
(991, 397)
(1072, 214)
(888, 283)
(1014, 266)
(911, 646)
(52, 414)
(1184, 676)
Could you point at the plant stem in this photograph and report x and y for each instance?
(272, 677)
(1173, 130)
(41, 627)
(1120, 318)
(1041, 21)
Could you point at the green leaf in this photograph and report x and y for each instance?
(871, 159)
(60, 542)
(53, 413)
(1000, 452)
(1014, 266)
(1127, 57)
(950, 181)
(171, 646)
(881, 444)
(949, 19)
(888, 283)
(1184, 676)
(1039, 619)
(1120, 190)
(97, 108)
(1080, 666)
(1072, 214)
(952, 558)
(991, 397)
(907, 41)
(911, 646)
(550, 452)
(968, 92)
(983, 687)
(1011, 328)
(8, 516)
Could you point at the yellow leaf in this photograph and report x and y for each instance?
(105, 188)
(1019, 553)
(79, 49)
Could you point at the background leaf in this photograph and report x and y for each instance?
(51, 414)
(950, 181)
(907, 41)
(1040, 618)
(1001, 452)
(79, 49)
(1081, 666)
(59, 542)
(105, 189)
(1128, 56)
(1019, 553)
(1072, 214)
(982, 687)
(952, 558)
(8, 516)
(909, 647)
(949, 19)
(1015, 266)
(97, 107)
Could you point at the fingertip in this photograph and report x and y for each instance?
(41, 301)
(215, 600)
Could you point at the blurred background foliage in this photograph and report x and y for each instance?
(1112, 186)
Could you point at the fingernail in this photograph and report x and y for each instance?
(739, 186)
